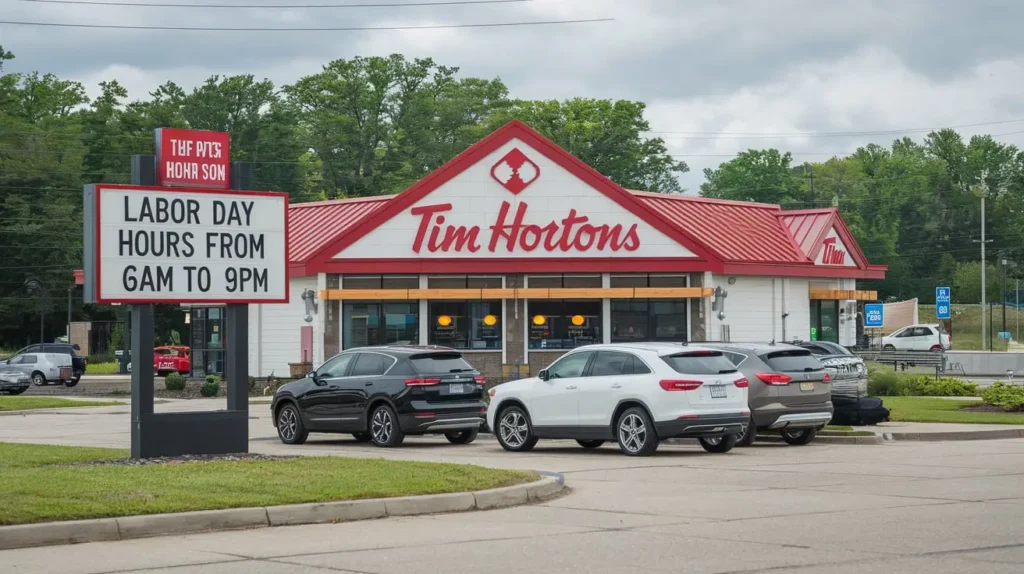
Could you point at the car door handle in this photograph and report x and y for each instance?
(571, 387)
(370, 384)
(616, 386)
(333, 387)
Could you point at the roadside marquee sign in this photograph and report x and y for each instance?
(193, 158)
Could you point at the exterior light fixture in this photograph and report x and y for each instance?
(309, 298)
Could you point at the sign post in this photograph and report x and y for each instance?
(874, 315)
(146, 244)
(942, 308)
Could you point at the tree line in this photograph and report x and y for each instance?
(371, 126)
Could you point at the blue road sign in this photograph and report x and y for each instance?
(1004, 335)
(874, 314)
(942, 303)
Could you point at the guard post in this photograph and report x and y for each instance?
(184, 232)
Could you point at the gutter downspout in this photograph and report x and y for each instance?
(784, 313)
(773, 309)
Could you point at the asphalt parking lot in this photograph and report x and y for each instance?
(904, 507)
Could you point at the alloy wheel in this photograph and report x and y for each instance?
(713, 440)
(514, 429)
(38, 380)
(382, 427)
(633, 433)
(287, 424)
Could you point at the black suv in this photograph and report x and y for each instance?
(78, 363)
(382, 394)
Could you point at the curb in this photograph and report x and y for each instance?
(829, 439)
(549, 486)
(954, 435)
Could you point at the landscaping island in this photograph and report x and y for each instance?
(41, 483)
(31, 403)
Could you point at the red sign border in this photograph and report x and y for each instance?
(158, 149)
(97, 250)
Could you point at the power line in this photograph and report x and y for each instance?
(771, 135)
(279, 6)
(316, 29)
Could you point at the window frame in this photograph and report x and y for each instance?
(339, 356)
(567, 356)
(651, 323)
(635, 361)
(358, 354)
(382, 322)
(531, 313)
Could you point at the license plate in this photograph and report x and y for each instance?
(718, 391)
(456, 388)
(166, 365)
(806, 386)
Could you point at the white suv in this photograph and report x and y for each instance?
(42, 367)
(918, 338)
(637, 394)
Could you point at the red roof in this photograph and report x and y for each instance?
(313, 225)
(809, 226)
(736, 231)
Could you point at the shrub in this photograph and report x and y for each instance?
(895, 384)
(174, 382)
(252, 383)
(211, 387)
(1007, 397)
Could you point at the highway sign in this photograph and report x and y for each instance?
(942, 302)
(874, 314)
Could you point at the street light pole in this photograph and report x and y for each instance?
(1002, 291)
(979, 191)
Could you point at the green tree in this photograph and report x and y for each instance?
(764, 176)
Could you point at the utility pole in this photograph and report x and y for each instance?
(981, 192)
(1002, 291)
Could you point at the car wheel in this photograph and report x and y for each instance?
(384, 429)
(461, 437)
(749, 434)
(635, 433)
(38, 379)
(514, 432)
(799, 437)
(362, 436)
(889, 348)
(17, 391)
(71, 383)
(289, 425)
(590, 443)
(718, 443)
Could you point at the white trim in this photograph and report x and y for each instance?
(341, 318)
(504, 326)
(526, 331)
(606, 311)
(320, 324)
(424, 314)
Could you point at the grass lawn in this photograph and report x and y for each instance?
(102, 368)
(28, 403)
(34, 489)
(930, 410)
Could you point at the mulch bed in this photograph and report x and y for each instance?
(989, 409)
(184, 459)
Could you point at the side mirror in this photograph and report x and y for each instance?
(543, 375)
(312, 376)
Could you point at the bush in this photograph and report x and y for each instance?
(1007, 397)
(211, 387)
(252, 383)
(174, 382)
(896, 384)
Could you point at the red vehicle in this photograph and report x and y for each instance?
(170, 359)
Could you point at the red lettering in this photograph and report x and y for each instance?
(564, 244)
(426, 212)
(830, 255)
(459, 238)
(579, 243)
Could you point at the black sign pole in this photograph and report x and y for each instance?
(236, 318)
(141, 332)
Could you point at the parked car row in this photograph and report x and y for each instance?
(43, 369)
(635, 395)
(39, 369)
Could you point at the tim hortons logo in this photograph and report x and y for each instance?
(572, 233)
(830, 255)
(514, 171)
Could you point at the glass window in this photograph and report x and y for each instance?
(544, 281)
(483, 282)
(564, 324)
(371, 365)
(558, 281)
(400, 282)
(465, 324)
(440, 363)
(825, 320)
(29, 360)
(628, 281)
(370, 324)
(360, 282)
(642, 280)
(795, 361)
(610, 363)
(569, 366)
(452, 282)
(648, 320)
(666, 281)
(335, 367)
(700, 363)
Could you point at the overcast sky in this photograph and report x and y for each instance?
(713, 72)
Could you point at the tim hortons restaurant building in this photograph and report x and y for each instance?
(516, 251)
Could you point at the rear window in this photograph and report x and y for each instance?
(700, 363)
(792, 361)
(438, 363)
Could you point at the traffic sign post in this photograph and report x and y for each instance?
(942, 308)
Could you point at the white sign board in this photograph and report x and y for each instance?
(167, 245)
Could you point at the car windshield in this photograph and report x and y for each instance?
(438, 363)
(792, 361)
(700, 363)
(835, 348)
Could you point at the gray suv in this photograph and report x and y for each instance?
(789, 390)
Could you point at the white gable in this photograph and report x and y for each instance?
(833, 252)
(514, 203)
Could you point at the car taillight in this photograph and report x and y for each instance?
(827, 379)
(774, 378)
(480, 380)
(421, 382)
(742, 383)
(673, 385)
